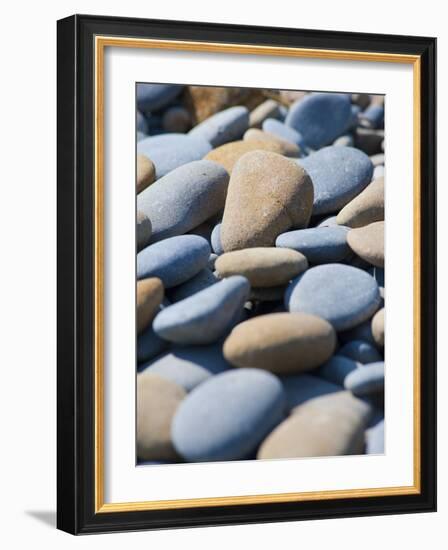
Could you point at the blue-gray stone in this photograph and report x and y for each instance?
(228, 416)
(206, 316)
(173, 260)
(320, 245)
(149, 345)
(375, 439)
(302, 387)
(212, 260)
(338, 174)
(152, 97)
(190, 366)
(203, 279)
(366, 380)
(169, 151)
(363, 331)
(282, 131)
(354, 116)
(222, 127)
(142, 125)
(373, 116)
(216, 240)
(140, 136)
(320, 117)
(184, 198)
(360, 351)
(337, 368)
(343, 295)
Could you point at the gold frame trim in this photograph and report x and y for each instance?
(101, 42)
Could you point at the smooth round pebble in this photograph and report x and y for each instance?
(378, 327)
(216, 240)
(143, 230)
(173, 260)
(267, 109)
(337, 368)
(227, 416)
(222, 127)
(343, 295)
(283, 131)
(366, 208)
(152, 97)
(366, 380)
(146, 172)
(360, 351)
(263, 267)
(283, 343)
(368, 243)
(149, 298)
(288, 148)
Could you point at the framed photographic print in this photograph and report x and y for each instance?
(246, 274)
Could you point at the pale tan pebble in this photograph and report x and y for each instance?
(149, 297)
(267, 109)
(288, 149)
(146, 172)
(368, 243)
(378, 327)
(366, 208)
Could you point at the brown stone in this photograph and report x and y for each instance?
(264, 267)
(146, 172)
(282, 343)
(329, 425)
(378, 327)
(149, 298)
(268, 194)
(366, 208)
(267, 109)
(143, 230)
(368, 243)
(157, 401)
(288, 149)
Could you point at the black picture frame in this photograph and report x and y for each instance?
(76, 254)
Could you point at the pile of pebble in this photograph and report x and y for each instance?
(260, 267)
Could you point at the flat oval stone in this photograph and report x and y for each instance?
(169, 151)
(189, 366)
(368, 243)
(366, 380)
(143, 230)
(227, 155)
(216, 240)
(263, 267)
(202, 280)
(149, 298)
(268, 109)
(320, 117)
(338, 175)
(375, 439)
(288, 148)
(146, 172)
(366, 208)
(157, 401)
(227, 125)
(267, 195)
(320, 245)
(149, 345)
(283, 343)
(283, 131)
(206, 316)
(330, 425)
(360, 351)
(337, 368)
(152, 97)
(227, 416)
(303, 387)
(184, 198)
(343, 295)
(173, 260)
(378, 327)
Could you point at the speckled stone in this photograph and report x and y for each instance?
(320, 245)
(189, 366)
(228, 154)
(282, 343)
(343, 295)
(320, 117)
(303, 387)
(366, 208)
(338, 174)
(378, 327)
(152, 97)
(222, 127)
(368, 243)
(146, 172)
(169, 151)
(360, 351)
(173, 260)
(157, 401)
(287, 148)
(267, 195)
(143, 230)
(366, 380)
(337, 368)
(149, 298)
(202, 280)
(184, 198)
(267, 109)
(176, 120)
(283, 131)
(206, 316)
(209, 426)
(330, 425)
(263, 267)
